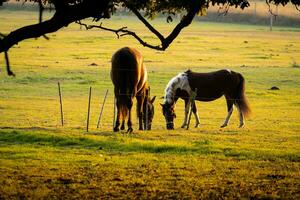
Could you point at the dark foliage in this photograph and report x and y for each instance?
(69, 11)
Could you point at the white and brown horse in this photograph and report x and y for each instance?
(129, 76)
(210, 86)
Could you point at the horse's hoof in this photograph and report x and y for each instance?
(241, 125)
(223, 126)
(183, 126)
(129, 130)
(116, 129)
(122, 127)
(197, 125)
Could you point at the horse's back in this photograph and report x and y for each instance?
(212, 85)
(125, 62)
(127, 69)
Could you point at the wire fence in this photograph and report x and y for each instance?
(38, 105)
(71, 111)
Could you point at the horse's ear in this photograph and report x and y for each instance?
(153, 99)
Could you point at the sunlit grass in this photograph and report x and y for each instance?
(41, 159)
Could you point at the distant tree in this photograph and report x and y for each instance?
(69, 11)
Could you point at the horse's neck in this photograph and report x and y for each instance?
(179, 81)
(169, 98)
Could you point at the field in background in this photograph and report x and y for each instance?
(256, 13)
(41, 159)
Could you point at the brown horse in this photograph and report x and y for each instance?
(210, 86)
(129, 76)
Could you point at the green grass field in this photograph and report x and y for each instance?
(40, 159)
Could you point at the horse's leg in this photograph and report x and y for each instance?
(139, 106)
(129, 123)
(116, 128)
(194, 109)
(123, 125)
(186, 112)
(229, 110)
(242, 123)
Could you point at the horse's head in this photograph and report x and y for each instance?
(169, 113)
(148, 109)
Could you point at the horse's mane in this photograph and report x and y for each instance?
(179, 81)
(188, 71)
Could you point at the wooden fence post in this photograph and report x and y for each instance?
(89, 108)
(102, 108)
(61, 106)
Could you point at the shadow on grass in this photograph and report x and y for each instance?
(116, 145)
(109, 144)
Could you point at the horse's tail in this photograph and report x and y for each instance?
(123, 111)
(241, 99)
(122, 102)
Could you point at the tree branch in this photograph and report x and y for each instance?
(121, 32)
(165, 42)
(185, 21)
(32, 31)
(59, 4)
(60, 19)
(147, 24)
(116, 31)
(270, 9)
(223, 10)
(41, 10)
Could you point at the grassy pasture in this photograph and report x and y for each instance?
(39, 159)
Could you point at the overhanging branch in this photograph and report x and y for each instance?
(165, 41)
(63, 16)
(270, 9)
(185, 21)
(120, 32)
(116, 31)
(41, 10)
(60, 19)
(147, 24)
(223, 10)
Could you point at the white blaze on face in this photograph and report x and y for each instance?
(178, 82)
(228, 70)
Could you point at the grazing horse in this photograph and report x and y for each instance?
(129, 76)
(210, 86)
